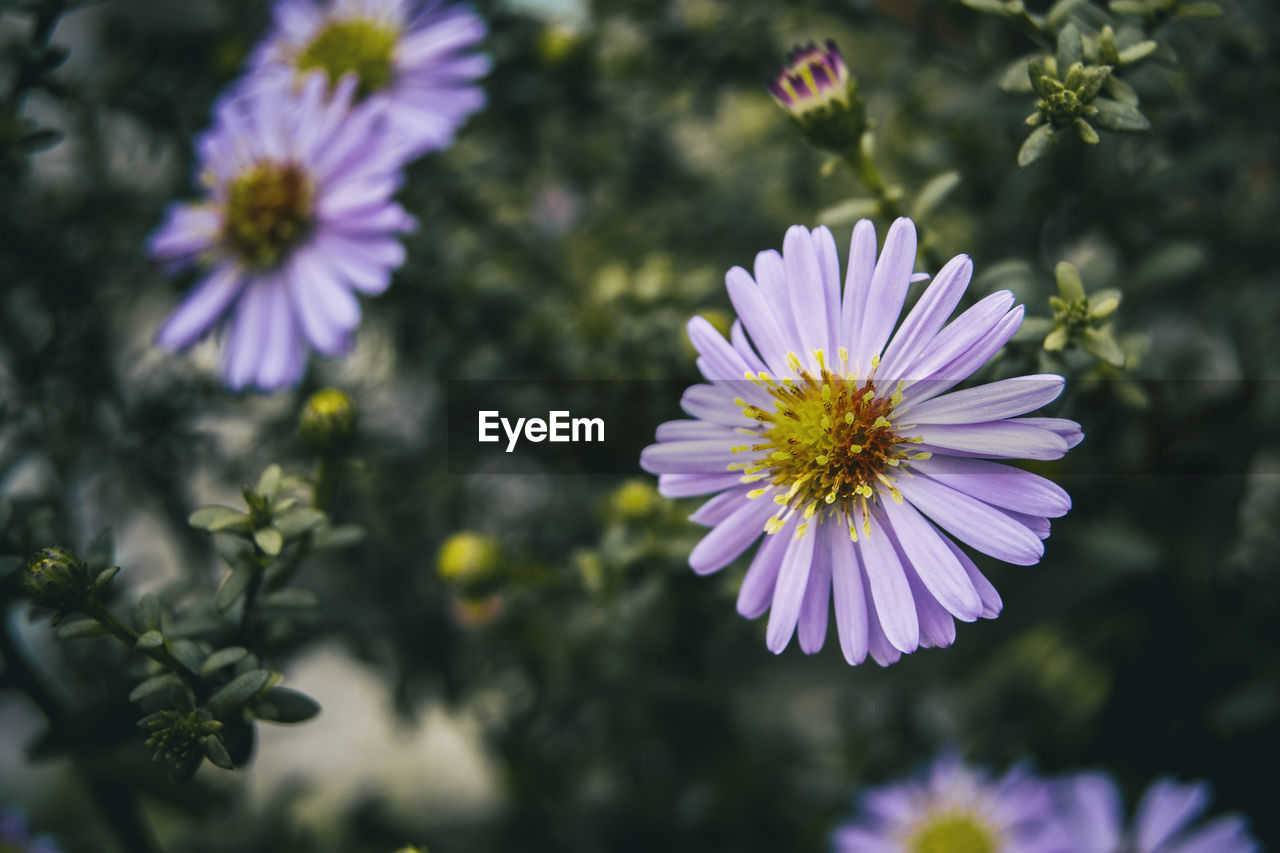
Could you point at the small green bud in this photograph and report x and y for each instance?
(182, 740)
(818, 92)
(468, 561)
(328, 421)
(57, 578)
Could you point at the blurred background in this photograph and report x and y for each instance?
(584, 690)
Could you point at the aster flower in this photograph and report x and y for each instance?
(1165, 821)
(15, 835)
(818, 92)
(415, 59)
(845, 451)
(298, 216)
(954, 809)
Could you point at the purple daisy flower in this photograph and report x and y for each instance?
(415, 59)
(299, 215)
(1092, 812)
(954, 809)
(845, 450)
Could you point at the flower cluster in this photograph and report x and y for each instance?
(300, 168)
(842, 446)
(957, 809)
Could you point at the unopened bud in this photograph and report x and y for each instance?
(57, 578)
(818, 92)
(328, 421)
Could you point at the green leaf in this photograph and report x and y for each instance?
(104, 577)
(233, 586)
(102, 552)
(282, 705)
(848, 211)
(269, 539)
(1086, 132)
(216, 518)
(990, 7)
(293, 598)
(149, 640)
(40, 140)
(1016, 79)
(148, 613)
(1100, 344)
(1116, 115)
(1056, 340)
(1137, 52)
(1104, 303)
(152, 686)
(934, 193)
(221, 658)
(189, 653)
(81, 628)
(1033, 329)
(238, 692)
(342, 536)
(1035, 145)
(1198, 10)
(298, 521)
(1070, 287)
(1059, 11)
(269, 483)
(1070, 49)
(216, 752)
(1121, 91)
(1128, 7)
(1038, 75)
(232, 548)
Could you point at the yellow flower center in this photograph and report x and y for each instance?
(268, 212)
(954, 833)
(830, 441)
(357, 44)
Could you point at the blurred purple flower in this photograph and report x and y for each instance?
(954, 809)
(1093, 815)
(415, 59)
(840, 445)
(15, 835)
(299, 214)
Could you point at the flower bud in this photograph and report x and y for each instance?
(328, 421)
(468, 561)
(635, 499)
(57, 578)
(818, 92)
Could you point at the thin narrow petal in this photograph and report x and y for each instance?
(710, 403)
(788, 594)
(889, 588)
(991, 601)
(721, 506)
(999, 485)
(690, 485)
(938, 568)
(245, 343)
(759, 321)
(937, 628)
(282, 354)
(1070, 431)
(997, 439)
(957, 337)
(731, 537)
(689, 457)
(756, 593)
(888, 291)
(202, 309)
(693, 431)
(994, 401)
(937, 302)
(1165, 808)
(850, 603)
(857, 282)
(807, 294)
(722, 360)
(829, 263)
(972, 521)
(816, 607)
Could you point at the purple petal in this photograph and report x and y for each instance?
(248, 335)
(720, 507)
(994, 401)
(326, 310)
(1069, 430)
(939, 570)
(1094, 812)
(991, 603)
(1165, 808)
(829, 263)
(758, 318)
(743, 347)
(689, 485)
(937, 628)
(722, 361)
(857, 282)
(693, 431)
(888, 291)
(1224, 835)
(957, 337)
(788, 594)
(771, 275)
(889, 589)
(999, 485)
(690, 457)
(282, 354)
(715, 404)
(972, 521)
(816, 607)
(807, 294)
(850, 603)
(756, 593)
(927, 317)
(201, 309)
(731, 537)
(997, 439)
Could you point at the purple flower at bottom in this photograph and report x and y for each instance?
(15, 835)
(298, 217)
(412, 58)
(1093, 816)
(955, 809)
(841, 445)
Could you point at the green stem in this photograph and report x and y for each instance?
(251, 594)
(326, 484)
(161, 655)
(27, 74)
(866, 172)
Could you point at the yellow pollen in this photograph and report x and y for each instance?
(268, 211)
(828, 443)
(355, 45)
(953, 832)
